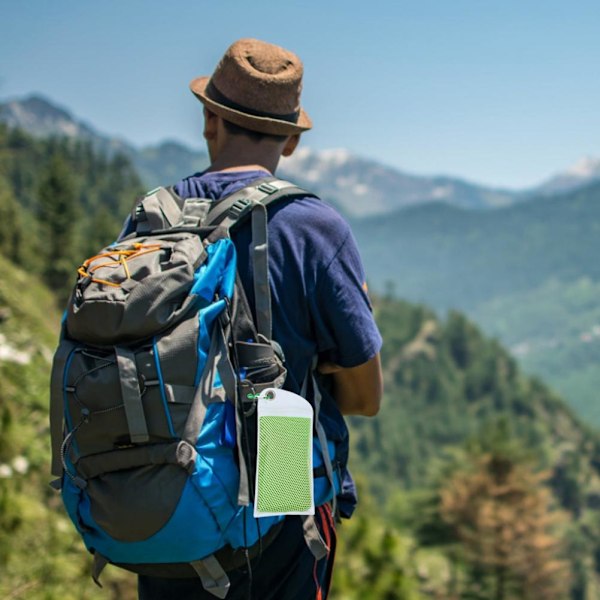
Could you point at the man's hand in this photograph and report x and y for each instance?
(357, 390)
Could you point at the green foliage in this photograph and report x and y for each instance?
(374, 561)
(58, 219)
(60, 202)
(449, 387)
(11, 225)
(41, 556)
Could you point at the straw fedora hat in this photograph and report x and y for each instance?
(256, 85)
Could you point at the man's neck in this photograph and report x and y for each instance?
(237, 168)
(238, 154)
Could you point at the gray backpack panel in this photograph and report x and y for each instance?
(154, 295)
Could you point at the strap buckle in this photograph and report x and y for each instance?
(267, 188)
(239, 208)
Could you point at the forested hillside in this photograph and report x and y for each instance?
(59, 200)
(458, 258)
(448, 381)
(476, 482)
(527, 274)
(40, 554)
(459, 421)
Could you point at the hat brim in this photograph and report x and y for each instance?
(267, 125)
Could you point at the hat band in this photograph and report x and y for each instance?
(215, 95)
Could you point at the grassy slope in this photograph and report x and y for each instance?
(40, 555)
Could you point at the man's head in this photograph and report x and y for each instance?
(256, 86)
(237, 146)
(252, 103)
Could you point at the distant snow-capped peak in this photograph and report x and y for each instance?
(586, 167)
(584, 171)
(313, 165)
(334, 157)
(41, 118)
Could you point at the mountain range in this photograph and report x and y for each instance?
(522, 265)
(527, 273)
(356, 185)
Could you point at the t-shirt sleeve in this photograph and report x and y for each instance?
(341, 311)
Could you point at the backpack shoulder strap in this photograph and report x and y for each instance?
(232, 210)
(162, 208)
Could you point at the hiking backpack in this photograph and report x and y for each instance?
(153, 392)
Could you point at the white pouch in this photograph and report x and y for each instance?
(284, 462)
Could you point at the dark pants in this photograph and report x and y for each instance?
(286, 570)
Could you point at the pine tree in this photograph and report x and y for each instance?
(11, 228)
(58, 216)
(499, 510)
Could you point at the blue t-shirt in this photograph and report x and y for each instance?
(319, 299)
(318, 291)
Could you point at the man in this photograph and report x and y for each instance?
(252, 117)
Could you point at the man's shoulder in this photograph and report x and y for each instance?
(311, 215)
(307, 215)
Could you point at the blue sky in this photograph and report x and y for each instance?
(502, 93)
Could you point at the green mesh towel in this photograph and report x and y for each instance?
(284, 482)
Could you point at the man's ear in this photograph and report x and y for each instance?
(290, 145)
(210, 125)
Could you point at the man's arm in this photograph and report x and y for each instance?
(357, 390)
